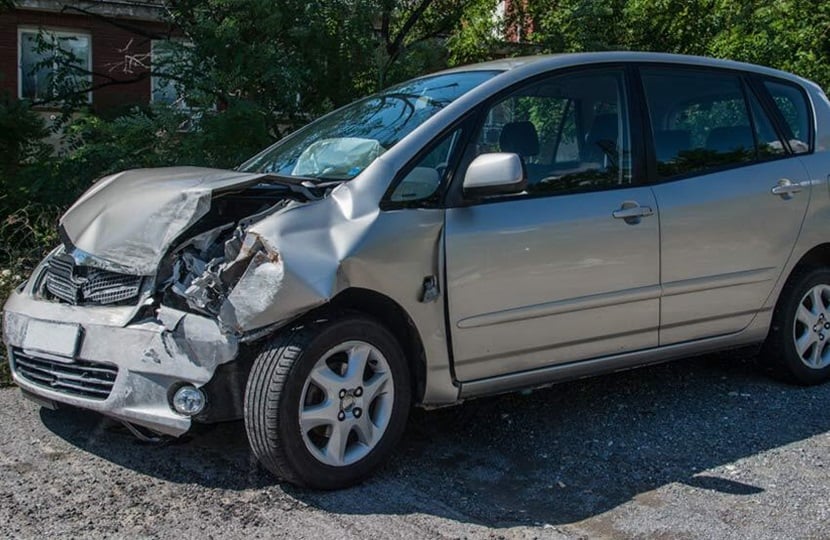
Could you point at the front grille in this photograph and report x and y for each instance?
(86, 285)
(79, 378)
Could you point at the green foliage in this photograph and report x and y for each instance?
(22, 149)
(478, 35)
(793, 35)
(26, 236)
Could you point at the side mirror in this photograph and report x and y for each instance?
(495, 174)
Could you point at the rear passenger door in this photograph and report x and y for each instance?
(730, 197)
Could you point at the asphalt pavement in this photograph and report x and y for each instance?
(702, 448)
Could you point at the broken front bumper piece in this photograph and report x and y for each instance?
(126, 371)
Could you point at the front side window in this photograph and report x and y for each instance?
(342, 144)
(425, 178)
(701, 120)
(52, 63)
(793, 107)
(571, 132)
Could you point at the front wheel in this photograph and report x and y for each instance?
(327, 401)
(798, 346)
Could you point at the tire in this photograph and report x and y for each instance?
(316, 363)
(803, 318)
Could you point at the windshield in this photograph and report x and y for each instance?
(340, 145)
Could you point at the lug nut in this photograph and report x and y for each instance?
(821, 337)
(342, 393)
(341, 416)
(359, 391)
(357, 412)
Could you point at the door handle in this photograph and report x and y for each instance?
(631, 212)
(785, 188)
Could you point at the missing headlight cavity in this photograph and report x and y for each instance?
(204, 270)
(204, 281)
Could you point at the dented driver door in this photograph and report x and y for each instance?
(532, 283)
(569, 269)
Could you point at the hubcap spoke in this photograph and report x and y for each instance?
(358, 357)
(375, 387)
(818, 301)
(805, 316)
(328, 381)
(319, 415)
(336, 446)
(365, 430)
(804, 343)
(815, 357)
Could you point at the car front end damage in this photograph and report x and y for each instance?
(161, 283)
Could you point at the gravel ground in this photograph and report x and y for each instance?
(704, 448)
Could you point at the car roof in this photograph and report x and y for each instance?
(547, 62)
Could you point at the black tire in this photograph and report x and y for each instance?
(779, 352)
(274, 390)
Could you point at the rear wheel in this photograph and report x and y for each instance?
(798, 346)
(327, 401)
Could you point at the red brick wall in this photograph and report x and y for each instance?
(111, 47)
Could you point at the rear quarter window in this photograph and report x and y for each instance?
(792, 104)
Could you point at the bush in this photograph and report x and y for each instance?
(37, 183)
(25, 237)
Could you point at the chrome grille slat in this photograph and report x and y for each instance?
(94, 286)
(64, 374)
(80, 378)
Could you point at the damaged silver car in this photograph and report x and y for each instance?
(494, 227)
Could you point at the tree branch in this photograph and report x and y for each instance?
(393, 49)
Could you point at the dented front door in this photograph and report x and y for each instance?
(546, 281)
(569, 268)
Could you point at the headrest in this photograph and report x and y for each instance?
(670, 142)
(520, 138)
(604, 128)
(729, 139)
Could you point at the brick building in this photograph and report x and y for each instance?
(112, 40)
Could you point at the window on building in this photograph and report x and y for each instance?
(164, 90)
(42, 55)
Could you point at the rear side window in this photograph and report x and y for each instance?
(701, 120)
(792, 104)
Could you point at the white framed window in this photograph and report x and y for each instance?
(35, 76)
(163, 89)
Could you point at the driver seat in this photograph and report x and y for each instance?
(522, 138)
(601, 139)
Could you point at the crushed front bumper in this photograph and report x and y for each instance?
(125, 370)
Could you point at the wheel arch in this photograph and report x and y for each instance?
(395, 318)
(816, 256)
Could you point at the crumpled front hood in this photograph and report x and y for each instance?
(130, 219)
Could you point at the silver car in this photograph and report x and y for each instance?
(485, 229)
